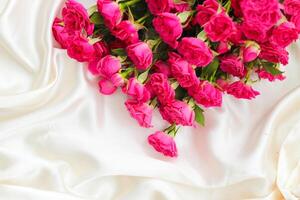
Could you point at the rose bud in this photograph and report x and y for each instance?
(195, 51)
(169, 28)
(110, 11)
(178, 112)
(60, 35)
(206, 94)
(223, 47)
(126, 32)
(140, 54)
(76, 18)
(117, 80)
(250, 51)
(233, 65)
(106, 87)
(162, 67)
(274, 53)
(137, 91)
(159, 6)
(108, 66)
(241, 91)
(81, 50)
(163, 143)
(141, 112)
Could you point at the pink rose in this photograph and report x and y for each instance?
(178, 112)
(81, 50)
(204, 14)
(284, 34)
(263, 13)
(162, 67)
(254, 32)
(182, 71)
(60, 34)
(163, 143)
(137, 91)
(295, 19)
(181, 7)
(140, 54)
(169, 28)
(159, 85)
(126, 32)
(195, 51)
(141, 112)
(101, 49)
(110, 11)
(233, 65)
(223, 47)
(76, 18)
(242, 91)
(106, 87)
(117, 80)
(219, 27)
(250, 51)
(235, 4)
(291, 7)
(266, 75)
(108, 66)
(159, 6)
(237, 36)
(274, 53)
(206, 94)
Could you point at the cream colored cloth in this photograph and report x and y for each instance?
(61, 140)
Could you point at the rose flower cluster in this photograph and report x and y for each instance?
(179, 56)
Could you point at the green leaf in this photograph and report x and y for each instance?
(119, 52)
(143, 76)
(96, 18)
(209, 71)
(92, 10)
(271, 68)
(199, 116)
(202, 35)
(184, 16)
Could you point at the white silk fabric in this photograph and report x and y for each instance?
(61, 140)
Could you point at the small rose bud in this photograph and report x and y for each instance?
(117, 80)
(223, 47)
(250, 51)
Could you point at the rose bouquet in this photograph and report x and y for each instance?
(179, 56)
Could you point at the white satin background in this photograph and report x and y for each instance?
(61, 140)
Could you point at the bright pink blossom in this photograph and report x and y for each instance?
(178, 112)
(60, 34)
(162, 67)
(291, 7)
(140, 54)
(163, 143)
(274, 53)
(126, 32)
(233, 65)
(159, 6)
(169, 28)
(110, 11)
(108, 66)
(284, 34)
(266, 75)
(250, 51)
(137, 91)
(242, 91)
(195, 51)
(80, 49)
(141, 112)
(106, 87)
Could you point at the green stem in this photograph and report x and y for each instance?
(139, 21)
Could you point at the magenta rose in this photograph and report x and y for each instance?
(180, 7)
(159, 6)
(182, 71)
(106, 87)
(80, 50)
(291, 7)
(137, 91)
(250, 51)
(169, 28)
(178, 112)
(274, 53)
(237, 36)
(233, 65)
(263, 13)
(141, 112)
(254, 32)
(295, 19)
(76, 18)
(219, 27)
(266, 75)
(140, 54)
(223, 47)
(108, 66)
(162, 67)
(159, 85)
(126, 32)
(163, 143)
(206, 94)
(241, 91)
(195, 51)
(284, 34)
(204, 14)
(110, 12)
(60, 34)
